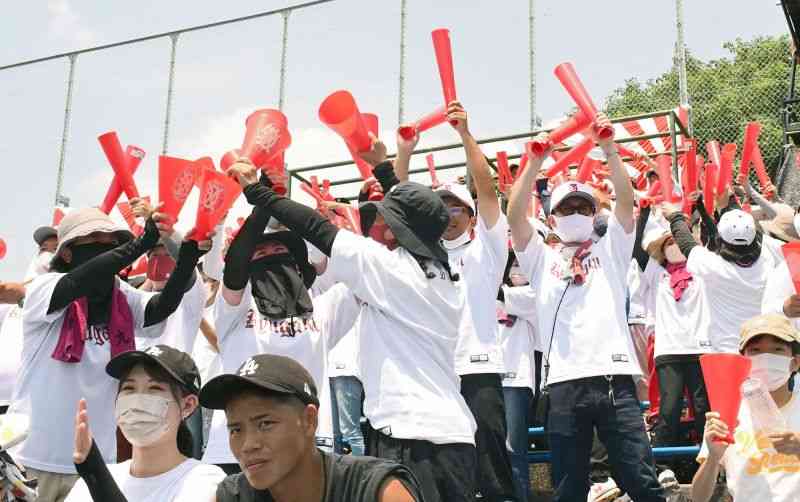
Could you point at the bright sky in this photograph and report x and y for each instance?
(227, 72)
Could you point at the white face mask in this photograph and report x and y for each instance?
(574, 228)
(796, 222)
(673, 254)
(458, 241)
(516, 276)
(772, 369)
(142, 418)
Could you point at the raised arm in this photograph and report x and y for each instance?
(478, 168)
(521, 229)
(679, 228)
(237, 260)
(619, 177)
(405, 147)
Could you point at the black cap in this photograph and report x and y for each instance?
(177, 363)
(266, 372)
(43, 233)
(415, 214)
(297, 248)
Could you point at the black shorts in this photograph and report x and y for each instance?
(446, 472)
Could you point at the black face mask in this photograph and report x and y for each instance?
(100, 287)
(84, 252)
(278, 287)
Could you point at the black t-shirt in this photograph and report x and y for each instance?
(347, 479)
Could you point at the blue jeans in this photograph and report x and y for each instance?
(517, 401)
(346, 396)
(579, 406)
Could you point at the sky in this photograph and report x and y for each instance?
(224, 73)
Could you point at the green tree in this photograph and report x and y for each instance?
(747, 85)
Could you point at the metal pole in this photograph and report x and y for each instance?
(532, 58)
(680, 59)
(284, 49)
(170, 90)
(60, 199)
(402, 90)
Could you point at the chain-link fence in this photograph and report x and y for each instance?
(748, 84)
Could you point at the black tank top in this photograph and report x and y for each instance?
(347, 479)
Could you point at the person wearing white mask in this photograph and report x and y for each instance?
(46, 238)
(761, 464)
(589, 358)
(158, 391)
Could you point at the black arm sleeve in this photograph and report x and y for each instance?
(681, 233)
(708, 228)
(237, 260)
(308, 223)
(75, 284)
(639, 254)
(384, 173)
(97, 477)
(164, 303)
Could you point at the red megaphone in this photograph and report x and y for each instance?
(761, 172)
(664, 167)
(444, 60)
(725, 174)
(572, 125)
(267, 136)
(791, 252)
(176, 178)
(574, 156)
(113, 150)
(133, 156)
(566, 74)
(340, 113)
(218, 192)
(438, 116)
(587, 168)
(724, 375)
(709, 184)
(751, 132)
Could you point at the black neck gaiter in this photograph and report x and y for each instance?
(278, 287)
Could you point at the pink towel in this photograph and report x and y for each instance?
(679, 279)
(72, 339)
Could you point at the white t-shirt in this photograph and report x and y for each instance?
(519, 340)
(640, 309)
(676, 322)
(591, 336)
(243, 332)
(408, 330)
(772, 247)
(779, 287)
(182, 326)
(343, 358)
(11, 353)
(481, 263)
(190, 481)
(49, 390)
(754, 470)
(733, 294)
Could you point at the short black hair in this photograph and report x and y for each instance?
(794, 346)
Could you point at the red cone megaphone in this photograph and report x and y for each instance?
(444, 60)
(587, 168)
(438, 116)
(791, 252)
(724, 375)
(134, 156)
(566, 74)
(113, 150)
(574, 156)
(751, 132)
(267, 135)
(569, 127)
(340, 113)
(218, 192)
(176, 178)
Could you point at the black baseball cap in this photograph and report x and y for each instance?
(268, 373)
(178, 364)
(43, 233)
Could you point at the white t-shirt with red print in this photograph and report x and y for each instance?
(48, 390)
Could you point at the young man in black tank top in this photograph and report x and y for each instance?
(271, 405)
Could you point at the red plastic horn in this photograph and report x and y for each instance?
(266, 137)
(218, 192)
(714, 152)
(566, 74)
(58, 215)
(692, 174)
(569, 127)
(340, 113)
(587, 168)
(229, 159)
(134, 156)
(176, 178)
(709, 184)
(432, 170)
(751, 132)
(3, 249)
(574, 156)
(664, 167)
(504, 178)
(113, 150)
(444, 60)
(429, 121)
(791, 251)
(761, 172)
(523, 163)
(724, 375)
(725, 174)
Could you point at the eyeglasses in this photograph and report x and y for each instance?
(456, 211)
(583, 210)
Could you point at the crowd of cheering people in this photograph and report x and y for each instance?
(305, 362)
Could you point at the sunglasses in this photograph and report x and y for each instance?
(583, 210)
(456, 211)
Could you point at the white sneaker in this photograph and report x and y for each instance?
(604, 492)
(668, 480)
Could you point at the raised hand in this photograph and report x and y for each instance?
(376, 154)
(83, 436)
